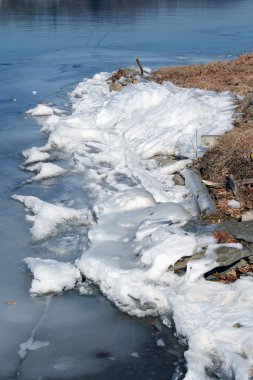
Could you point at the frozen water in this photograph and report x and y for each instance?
(71, 336)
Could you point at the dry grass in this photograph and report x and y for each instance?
(235, 75)
(224, 237)
(233, 154)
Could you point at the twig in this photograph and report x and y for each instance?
(216, 185)
(140, 66)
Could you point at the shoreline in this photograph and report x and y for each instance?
(146, 252)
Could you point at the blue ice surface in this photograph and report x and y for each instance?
(47, 47)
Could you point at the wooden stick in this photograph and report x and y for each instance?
(140, 66)
(246, 181)
(216, 185)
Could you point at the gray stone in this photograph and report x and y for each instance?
(227, 256)
(240, 230)
(178, 179)
(181, 264)
(237, 325)
(209, 140)
(246, 102)
(116, 86)
(247, 216)
(250, 259)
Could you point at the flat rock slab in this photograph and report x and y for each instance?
(182, 264)
(227, 256)
(240, 230)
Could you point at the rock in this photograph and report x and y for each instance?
(240, 230)
(240, 264)
(181, 264)
(116, 86)
(250, 259)
(190, 204)
(227, 256)
(197, 188)
(237, 325)
(209, 140)
(178, 179)
(246, 102)
(164, 160)
(247, 216)
(249, 112)
(227, 272)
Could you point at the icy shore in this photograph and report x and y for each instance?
(138, 212)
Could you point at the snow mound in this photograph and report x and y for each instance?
(48, 217)
(125, 201)
(45, 171)
(35, 155)
(44, 110)
(51, 276)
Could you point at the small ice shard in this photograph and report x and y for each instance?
(51, 276)
(125, 201)
(135, 354)
(160, 343)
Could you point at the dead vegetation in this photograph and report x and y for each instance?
(224, 237)
(233, 154)
(235, 75)
(233, 274)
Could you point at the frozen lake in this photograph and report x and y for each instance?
(46, 47)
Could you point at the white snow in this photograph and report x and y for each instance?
(51, 276)
(234, 204)
(45, 171)
(35, 155)
(44, 110)
(48, 217)
(111, 139)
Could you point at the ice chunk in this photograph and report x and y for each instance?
(51, 276)
(45, 170)
(174, 167)
(35, 155)
(166, 252)
(44, 110)
(128, 200)
(160, 343)
(48, 217)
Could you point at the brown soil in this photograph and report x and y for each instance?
(235, 75)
